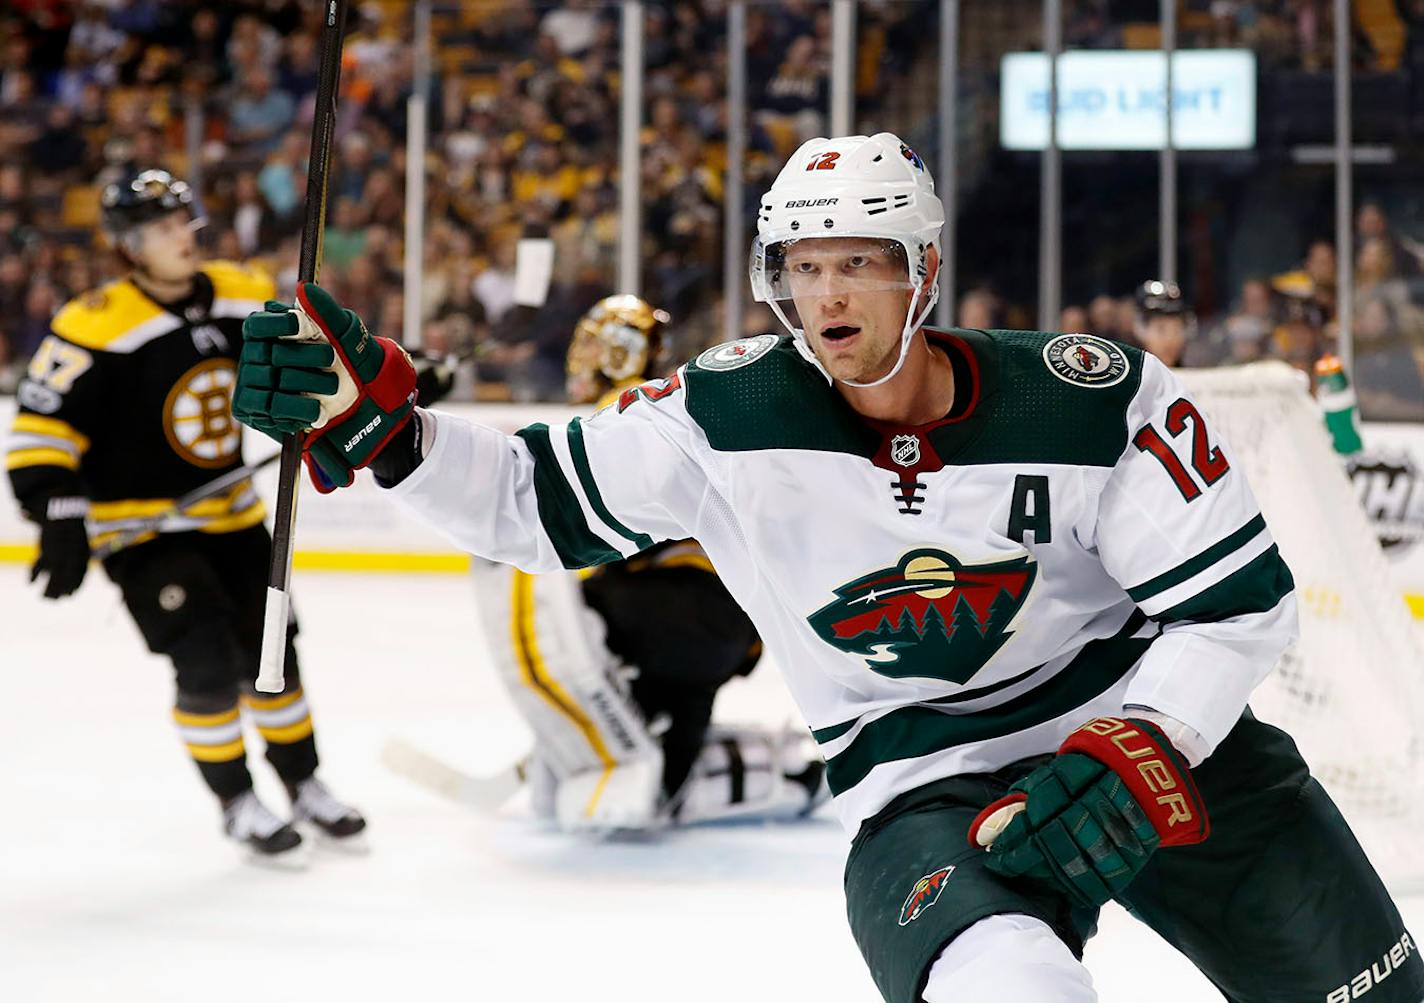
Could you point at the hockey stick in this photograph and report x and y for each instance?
(484, 794)
(152, 524)
(274, 623)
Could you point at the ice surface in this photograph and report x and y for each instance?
(115, 884)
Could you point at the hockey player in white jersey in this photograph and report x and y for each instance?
(616, 668)
(1014, 583)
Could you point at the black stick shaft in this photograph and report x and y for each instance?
(308, 263)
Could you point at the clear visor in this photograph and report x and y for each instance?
(810, 276)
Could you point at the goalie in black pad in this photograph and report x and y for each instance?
(617, 670)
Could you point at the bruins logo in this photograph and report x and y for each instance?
(197, 416)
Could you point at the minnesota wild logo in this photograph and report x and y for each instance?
(928, 616)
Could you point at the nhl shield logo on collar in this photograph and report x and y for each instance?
(905, 450)
(925, 894)
(1085, 361)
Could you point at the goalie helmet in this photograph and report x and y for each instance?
(851, 186)
(615, 342)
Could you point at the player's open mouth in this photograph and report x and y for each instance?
(839, 333)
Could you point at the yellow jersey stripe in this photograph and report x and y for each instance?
(536, 677)
(52, 427)
(41, 457)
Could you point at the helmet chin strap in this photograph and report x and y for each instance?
(913, 322)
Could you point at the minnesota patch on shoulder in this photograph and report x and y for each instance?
(1085, 360)
(736, 354)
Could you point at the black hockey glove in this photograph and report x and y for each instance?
(64, 545)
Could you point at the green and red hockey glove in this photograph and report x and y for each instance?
(1087, 821)
(313, 369)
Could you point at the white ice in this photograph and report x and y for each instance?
(116, 885)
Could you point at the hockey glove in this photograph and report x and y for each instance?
(1087, 821)
(313, 369)
(64, 545)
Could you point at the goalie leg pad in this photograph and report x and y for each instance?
(748, 772)
(548, 648)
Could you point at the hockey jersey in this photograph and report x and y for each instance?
(128, 402)
(1069, 541)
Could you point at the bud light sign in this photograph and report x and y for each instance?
(1116, 100)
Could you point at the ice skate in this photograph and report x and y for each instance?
(339, 824)
(269, 840)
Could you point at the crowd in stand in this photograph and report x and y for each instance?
(523, 120)
(523, 142)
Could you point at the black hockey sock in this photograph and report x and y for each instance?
(284, 721)
(211, 729)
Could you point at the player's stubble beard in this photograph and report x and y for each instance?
(881, 330)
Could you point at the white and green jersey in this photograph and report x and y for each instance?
(1069, 541)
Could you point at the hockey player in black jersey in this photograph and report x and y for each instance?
(126, 407)
(616, 671)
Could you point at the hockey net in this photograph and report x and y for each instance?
(1351, 692)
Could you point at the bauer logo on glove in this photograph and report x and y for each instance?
(314, 370)
(1088, 820)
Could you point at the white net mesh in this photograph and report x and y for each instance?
(1352, 691)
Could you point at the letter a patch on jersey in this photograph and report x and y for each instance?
(930, 616)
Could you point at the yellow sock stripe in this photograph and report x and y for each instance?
(288, 734)
(191, 720)
(41, 457)
(35, 424)
(273, 703)
(217, 753)
(536, 677)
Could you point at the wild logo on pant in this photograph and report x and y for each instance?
(925, 894)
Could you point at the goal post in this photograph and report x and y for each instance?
(1351, 691)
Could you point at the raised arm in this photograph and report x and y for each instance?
(592, 491)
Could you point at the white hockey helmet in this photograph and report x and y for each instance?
(850, 186)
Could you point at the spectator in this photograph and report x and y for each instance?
(979, 309)
(282, 179)
(494, 286)
(797, 95)
(59, 150)
(259, 114)
(345, 237)
(1103, 317)
(1074, 320)
(1248, 329)
(1371, 223)
(253, 220)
